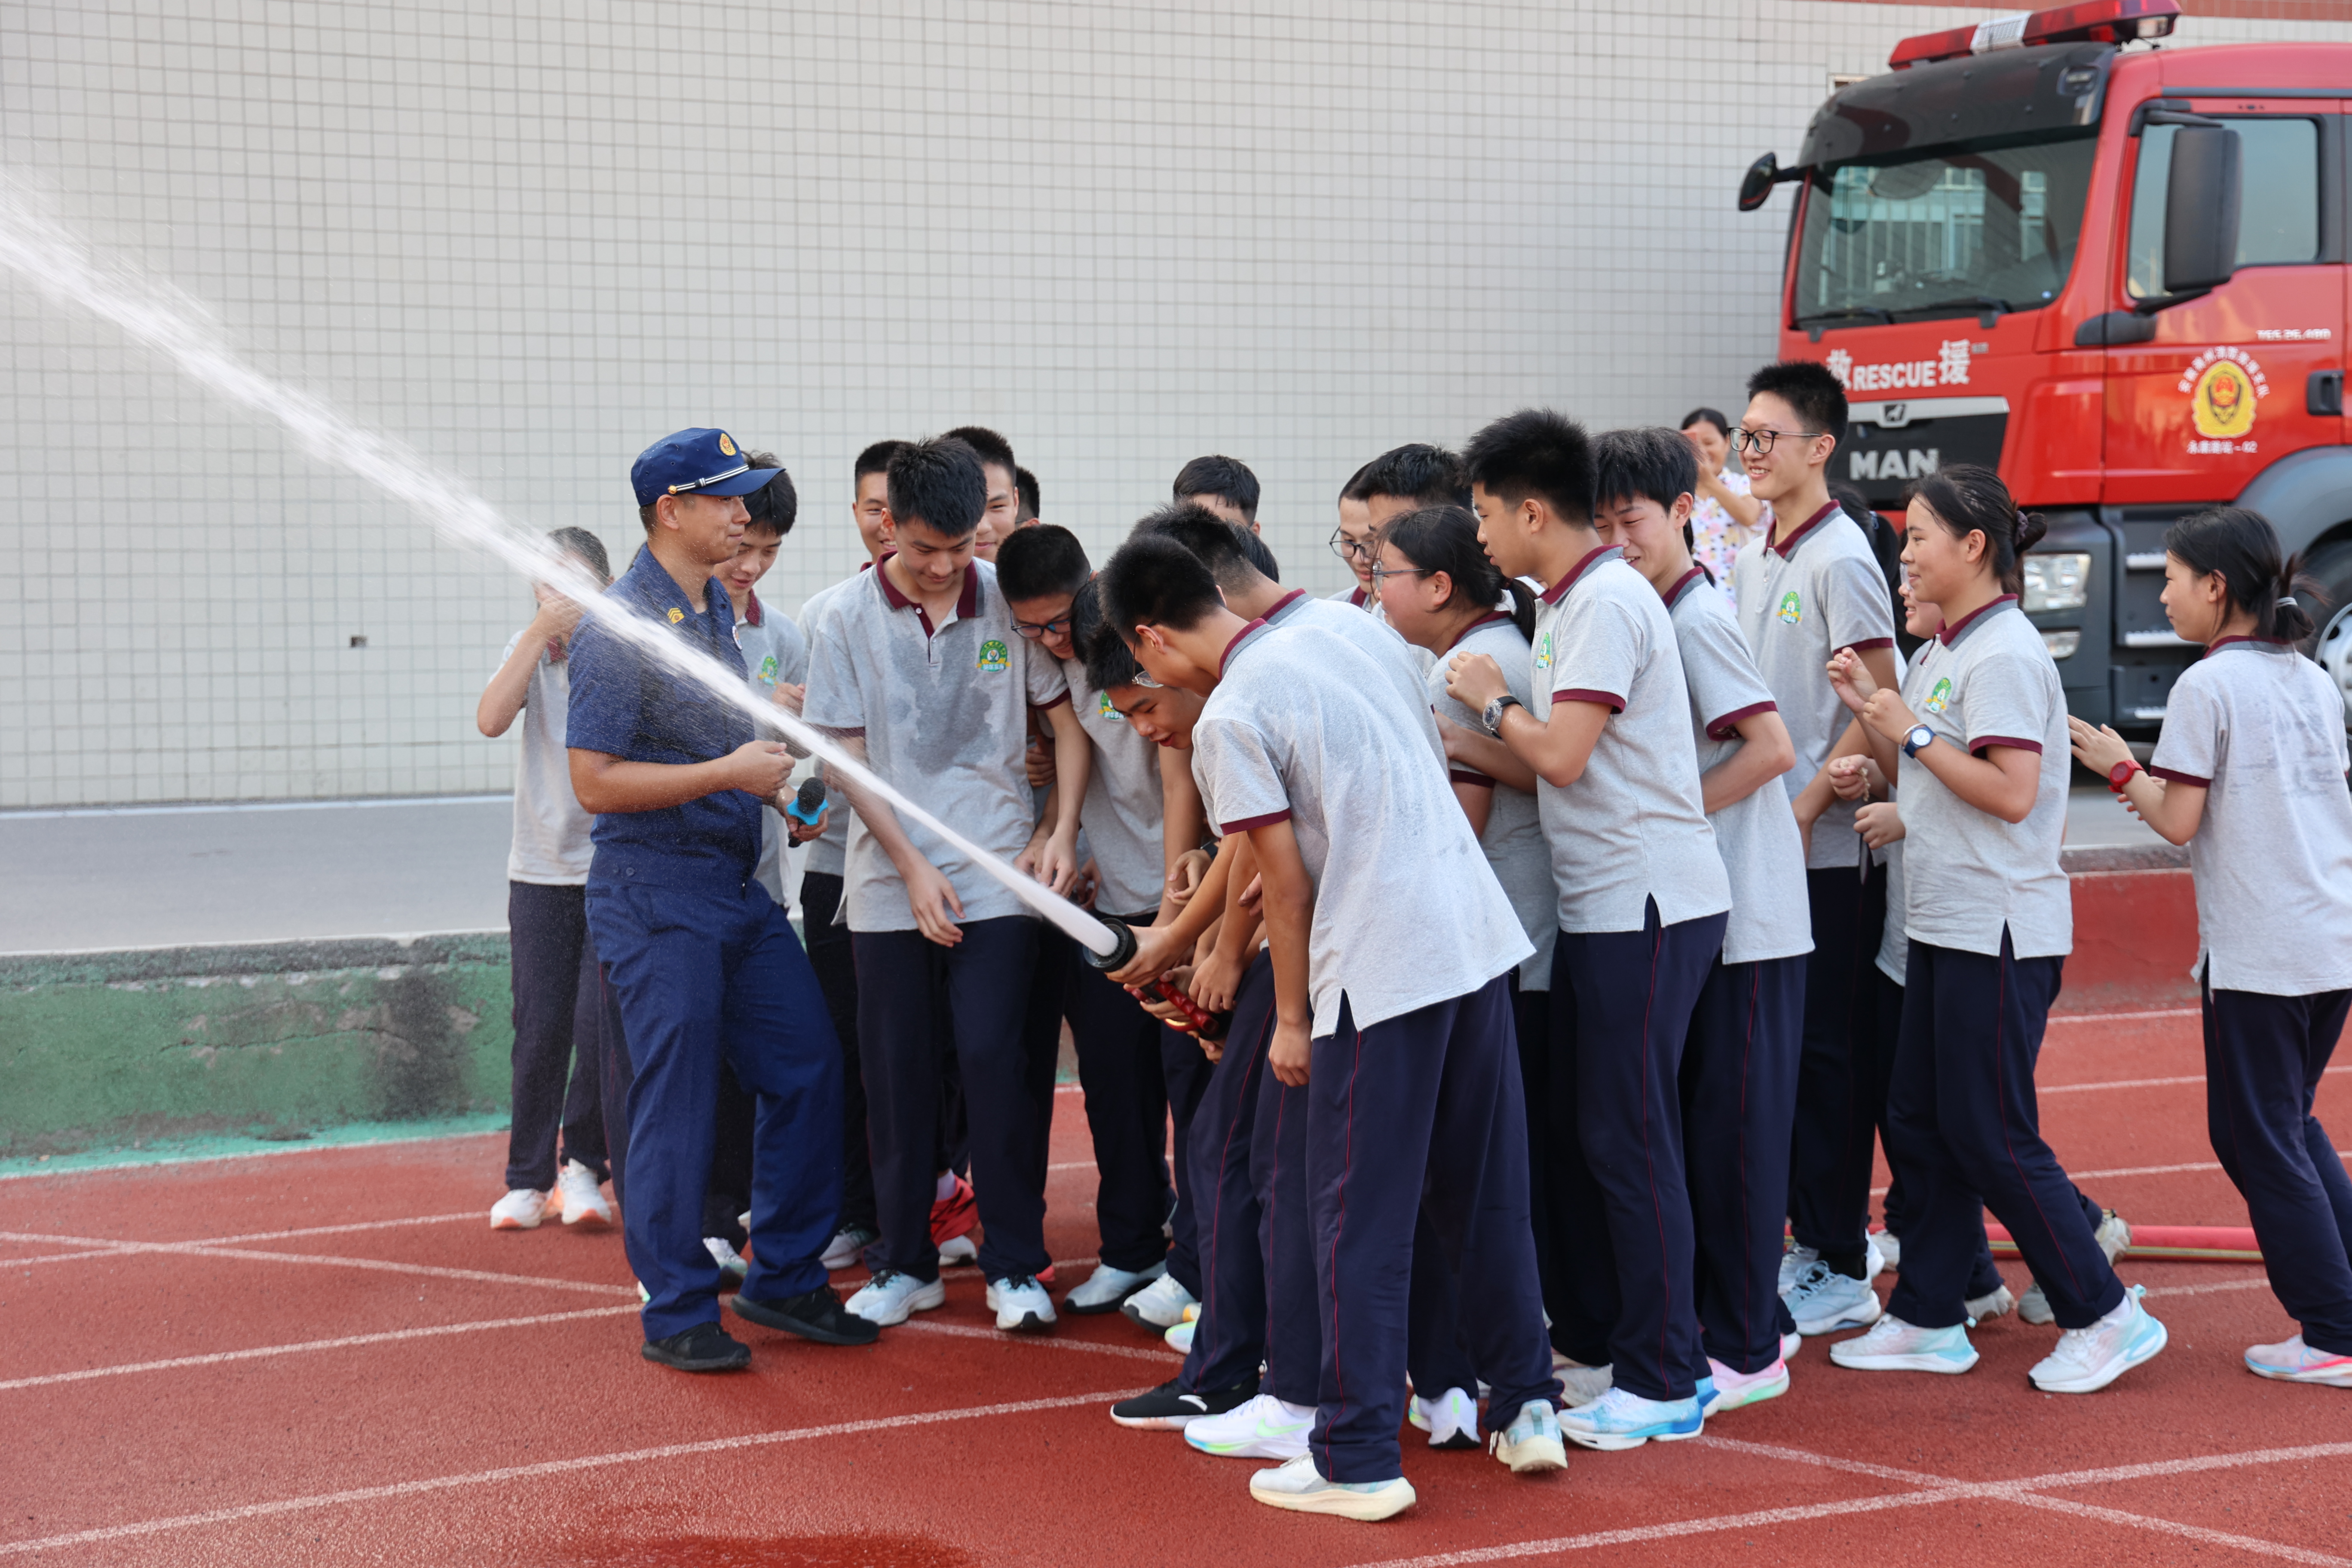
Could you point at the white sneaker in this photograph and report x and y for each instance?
(1890, 1249)
(2114, 1236)
(1263, 1428)
(1825, 1301)
(2034, 1307)
(1020, 1305)
(521, 1209)
(1582, 1385)
(847, 1243)
(2292, 1361)
(1180, 1338)
(1298, 1486)
(1159, 1305)
(2000, 1304)
(2089, 1359)
(1530, 1446)
(891, 1298)
(1793, 1264)
(1451, 1419)
(958, 1249)
(1622, 1420)
(1105, 1288)
(1734, 1389)
(584, 1201)
(1874, 1258)
(1791, 1343)
(722, 1252)
(1893, 1346)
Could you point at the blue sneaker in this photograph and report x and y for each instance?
(2089, 1359)
(1622, 1420)
(1531, 1445)
(1707, 1395)
(1893, 1346)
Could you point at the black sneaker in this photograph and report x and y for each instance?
(706, 1347)
(1168, 1407)
(812, 1314)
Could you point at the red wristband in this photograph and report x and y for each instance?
(2121, 774)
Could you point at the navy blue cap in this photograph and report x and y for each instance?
(695, 462)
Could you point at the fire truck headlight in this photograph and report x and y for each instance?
(2060, 580)
(2061, 644)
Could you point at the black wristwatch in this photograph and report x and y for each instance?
(1492, 717)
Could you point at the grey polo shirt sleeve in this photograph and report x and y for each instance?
(834, 701)
(1855, 602)
(792, 652)
(1724, 686)
(1237, 769)
(2188, 749)
(2003, 701)
(1045, 683)
(1596, 656)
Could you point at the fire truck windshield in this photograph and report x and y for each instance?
(1952, 233)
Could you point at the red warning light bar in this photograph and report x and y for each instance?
(2093, 21)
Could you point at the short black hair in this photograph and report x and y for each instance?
(1533, 452)
(938, 483)
(1026, 483)
(583, 547)
(1153, 580)
(1227, 479)
(876, 459)
(776, 506)
(1811, 392)
(1033, 562)
(1713, 416)
(992, 446)
(1417, 472)
(1109, 662)
(1216, 542)
(1644, 464)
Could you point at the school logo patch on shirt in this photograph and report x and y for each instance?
(994, 657)
(675, 615)
(1102, 706)
(1543, 651)
(1941, 697)
(1792, 609)
(768, 670)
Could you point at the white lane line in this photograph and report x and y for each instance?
(105, 1249)
(377, 1265)
(2126, 1018)
(2173, 1527)
(1163, 1356)
(2139, 1171)
(345, 1343)
(2260, 1282)
(2137, 1083)
(1639, 1533)
(553, 1467)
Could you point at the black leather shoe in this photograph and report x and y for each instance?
(706, 1347)
(813, 1314)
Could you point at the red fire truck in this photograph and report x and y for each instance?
(2117, 270)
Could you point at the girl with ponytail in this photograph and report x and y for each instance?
(2249, 772)
(1976, 742)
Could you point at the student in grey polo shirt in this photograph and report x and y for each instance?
(1980, 727)
(558, 1005)
(828, 940)
(1739, 1062)
(2250, 774)
(775, 653)
(1806, 589)
(1642, 901)
(920, 669)
(1391, 946)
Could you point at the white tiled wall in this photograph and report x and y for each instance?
(529, 239)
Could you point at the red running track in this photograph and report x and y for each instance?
(327, 1357)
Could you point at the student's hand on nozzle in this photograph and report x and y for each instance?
(1158, 949)
(1184, 877)
(1475, 679)
(2100, 750)
(1886, 713)
(936, 908)
(1292, 1051)
(1850, 777)
(1879, 824)
(1158, 1007)
(759, 768)
(1850, 678)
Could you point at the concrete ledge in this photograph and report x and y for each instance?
(274, 1040)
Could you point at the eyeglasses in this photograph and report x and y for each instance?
(1382, 574)
(1760, 441)
(1033, 630)
(1143, 678)
(1347, 548)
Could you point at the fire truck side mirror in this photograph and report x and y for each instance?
(2200, 209)
(1756, 185)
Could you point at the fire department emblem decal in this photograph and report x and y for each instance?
(2223, 385)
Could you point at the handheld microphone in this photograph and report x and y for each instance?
(810, 803)
(1204, 1025)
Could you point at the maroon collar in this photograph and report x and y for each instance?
(1240, 637)
(1559, 591)
(1279, 606)
(1787, 546)
(1960, 628)
(1474, 625)
(2218, 643)
(1682, 585)
(752, 614)
(967, 601)
(1358, 597)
